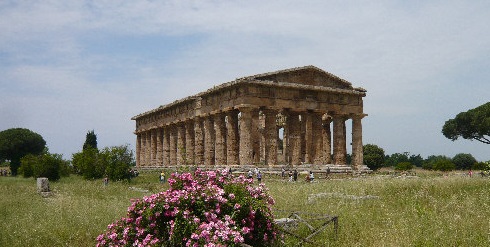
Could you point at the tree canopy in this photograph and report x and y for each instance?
(464, 161)
(114, 162)
(51, 166)
(16, 143)
(374, 156)
(90, 140)
(473, 124)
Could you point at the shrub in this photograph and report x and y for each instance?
(47, 165)
(204, 209)
(403, 166)
(464, 161)
(394, 159)
(87, 163)
(444, 165)
(484, 166)
(118, 161)
(26, 164)
(115, 162)
(374, 156)
(430, 162)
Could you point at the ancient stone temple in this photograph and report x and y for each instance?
(289, 117)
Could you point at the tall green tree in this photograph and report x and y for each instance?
(88, 163)
(18, 142)
(114, 162)
(118, 160)
(464, 161)
(473, 124)
(416, 160)
(438, 162)
(394, 159)
(374, 156)
(90, 140)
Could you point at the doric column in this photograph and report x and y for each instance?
(166, 146)
(357, 148)
(339, 142)
(159, 158)
(317, 146)
(285, 139)
(220, 141)
(148, 148)
(181, 152)
(142, 149)
(198, 141)
(138, 149)
(308, 118)
(208, 141)
(189, 142)
(153, 147)
(294, 136)
(262, 134)
(173, 145)
(327, 140)
(246, 155)
(271, 135)
(232, 138)
(256, 136)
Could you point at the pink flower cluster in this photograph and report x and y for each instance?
(206, 208)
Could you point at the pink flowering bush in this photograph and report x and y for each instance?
(207, 208)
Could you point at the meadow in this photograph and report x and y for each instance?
(431, 209)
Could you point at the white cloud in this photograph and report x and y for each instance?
(57, 58)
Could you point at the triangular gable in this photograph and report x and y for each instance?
(308, 75)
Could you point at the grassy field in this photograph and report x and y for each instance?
(377, 210)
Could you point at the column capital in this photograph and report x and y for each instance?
(231, 111)
(218, 115)
(358, 116)
(340, 117)
(246, 107)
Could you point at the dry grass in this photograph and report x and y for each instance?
(432, 210)
(394, 211)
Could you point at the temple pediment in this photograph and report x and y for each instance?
(308, 75)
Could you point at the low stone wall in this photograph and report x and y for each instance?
(271, 171)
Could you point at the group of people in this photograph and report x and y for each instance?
(293, 175)
(257, 172)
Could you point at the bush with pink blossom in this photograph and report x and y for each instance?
(206, 208)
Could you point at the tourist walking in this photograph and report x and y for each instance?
(312, 177)
(162, 177)
(295, 175)
(250, 174)
(259, 177)
(290, 176)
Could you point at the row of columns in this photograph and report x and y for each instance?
(241, 137)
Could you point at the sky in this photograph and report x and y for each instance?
(68, 67)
